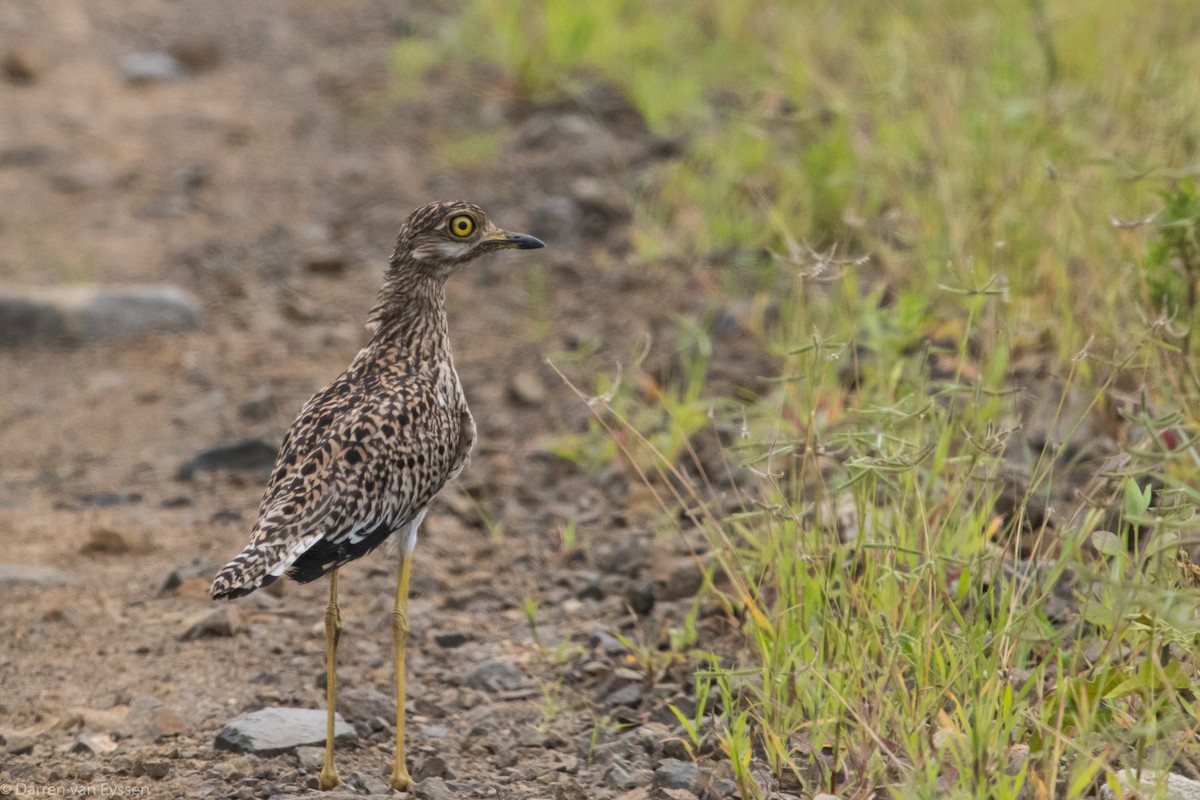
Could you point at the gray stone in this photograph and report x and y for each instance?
(214, 622)
(1149, 783)
(141, 69)
(494, 675)
(310, 759)
(100, 744)
(272, 731)
(675, 774)
(35, 575)
(248, 454)
(434, 789)
(630, 695)
(526, 388)
(617, 777)
(150, 718)
(685, 580)
(430, 767)
(92, 313)
(452, 639)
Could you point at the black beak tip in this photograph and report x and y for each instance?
(524, 242)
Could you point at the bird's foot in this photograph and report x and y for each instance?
(328, 780)
(400, 780)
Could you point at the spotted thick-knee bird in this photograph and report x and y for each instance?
(371, 450)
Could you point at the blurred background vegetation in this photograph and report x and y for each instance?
(969, 235)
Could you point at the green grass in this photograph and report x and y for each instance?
(899, 634)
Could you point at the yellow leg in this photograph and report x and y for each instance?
(333, 632)
(400, 779)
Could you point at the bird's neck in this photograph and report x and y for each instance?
(409, 321)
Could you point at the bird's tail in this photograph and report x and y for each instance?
(260, 564)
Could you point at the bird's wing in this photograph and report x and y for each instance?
(373, 470)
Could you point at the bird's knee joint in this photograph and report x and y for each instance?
(400, 623)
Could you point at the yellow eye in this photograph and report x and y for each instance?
(462, 226)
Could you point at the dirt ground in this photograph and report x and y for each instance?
(270, 181)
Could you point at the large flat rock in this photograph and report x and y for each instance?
(271, 731)
(92, 313)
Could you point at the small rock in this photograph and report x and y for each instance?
(85, 176)
(259, 405)
(272, 731)
(106, 541)
(20, 65)
(374, 786)
(494, 675)
(310, 759)
(434, 789)
(451, 640)
(569, 789)
(91, 313)
(213, 622)
(431, 767)
(1150, 783)
(640, 597)
(362, 703)
(630, 696)
(149, 718)
(326, 260)
(675, 774)
(143, 69)
(193, 569)
(248, 454)
(97, 743)
(685, 579)
(18, 743)
(617, 777)
(723, 787)
(152, 769)
(197, 53)
(526, 388)
(435, 731)
(98, 500)
(34, 575)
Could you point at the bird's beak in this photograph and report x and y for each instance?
(504, 240)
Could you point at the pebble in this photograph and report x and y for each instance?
(617, 777)
(91, 313)
(1154, 784)
(685, 580)
(197, 53)
(153, 769)
(18, 743)
(213, 622)
(451, 640)
(248, 455)
(675, 774)
(143, 69)
(363, 703)
(630, 696)
(98, 743)
(272, 731)
(150, 718)
(259, 405)
(310, 759)
(192, 569)
(640, 597)
(20, 65)
(106, 541)
(494, 675)
(34, 575)
(431, 767)
(434, 789)
(526, 388)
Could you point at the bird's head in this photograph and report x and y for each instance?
(440, 237)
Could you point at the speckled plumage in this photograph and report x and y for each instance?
(370, 451)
